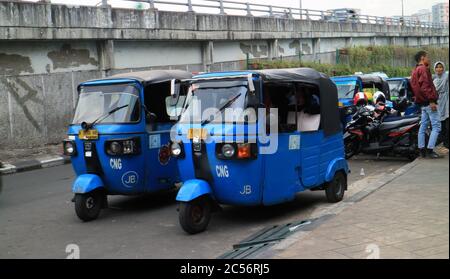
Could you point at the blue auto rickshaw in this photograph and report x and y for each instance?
(348, 86)
(242, 160)
(119, 137)
(402, 95)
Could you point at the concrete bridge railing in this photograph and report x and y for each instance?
(37, 21)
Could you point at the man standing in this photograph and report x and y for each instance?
(426, 98)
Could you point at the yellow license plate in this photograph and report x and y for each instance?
(88, 135)
(197, 133)
(340, 104)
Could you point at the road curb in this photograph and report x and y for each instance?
(22, 166)
(333, 210)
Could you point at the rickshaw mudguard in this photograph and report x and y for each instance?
(86, 183)
(338, 164)
(193, 189)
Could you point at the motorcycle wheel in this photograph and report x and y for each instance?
(351, 147)
(414, 143)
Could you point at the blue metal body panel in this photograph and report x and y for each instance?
(270, 178)
(193, 189)
(86, 183)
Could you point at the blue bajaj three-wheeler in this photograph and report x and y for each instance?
(294, 143)
(119, 138)
(402, 95)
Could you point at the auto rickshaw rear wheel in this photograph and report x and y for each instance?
(194, 216)
(335, 189)
(89, 205)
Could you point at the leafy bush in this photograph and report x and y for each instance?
(395, 61)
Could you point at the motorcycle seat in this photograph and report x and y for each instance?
(397, 118)
(402, 121)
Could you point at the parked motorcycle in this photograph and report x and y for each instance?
(374, 131)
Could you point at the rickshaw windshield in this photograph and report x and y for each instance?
(345, 90)
(97, 101)
(207, 100)
(395, 86)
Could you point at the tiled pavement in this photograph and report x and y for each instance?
(406, 218)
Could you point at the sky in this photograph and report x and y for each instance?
(368, 7)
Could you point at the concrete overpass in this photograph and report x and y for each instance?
(46, 50)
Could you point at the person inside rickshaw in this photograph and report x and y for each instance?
(298, 106)
(308, 109)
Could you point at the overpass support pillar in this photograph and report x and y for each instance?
(106, 56)
(273, 49)
(316, 48)
(349, 42)
(207, 55)
(392, 41)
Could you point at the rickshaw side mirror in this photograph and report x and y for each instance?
(174, 110)
(174, 92)
(253, 100)
(150, 118)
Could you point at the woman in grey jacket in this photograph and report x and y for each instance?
(440, 80)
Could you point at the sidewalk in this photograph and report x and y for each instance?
(17, 160)
(406, 218)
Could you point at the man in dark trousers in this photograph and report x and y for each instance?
(426, 98)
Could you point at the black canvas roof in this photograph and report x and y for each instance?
(378, 82)
(154, 76)
(329, 110)
(370, 78)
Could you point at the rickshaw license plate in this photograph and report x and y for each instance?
(197, 133)
(88, 135)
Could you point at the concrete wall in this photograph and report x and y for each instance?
(38, 57)
(145, 53)
(47, 50)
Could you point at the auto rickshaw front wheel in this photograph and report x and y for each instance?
(89, 205)
(194, 216)
(335, 189)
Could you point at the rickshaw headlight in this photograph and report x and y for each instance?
(69, 148)
(123, 146)
(128, 147)
(175, 149)
(228, 150)
(115, 147)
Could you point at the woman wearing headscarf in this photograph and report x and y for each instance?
(440, 80)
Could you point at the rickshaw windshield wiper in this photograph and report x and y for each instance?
(101, 118)
(353, 89)
(226, 105)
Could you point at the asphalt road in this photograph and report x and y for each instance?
(37, 219)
